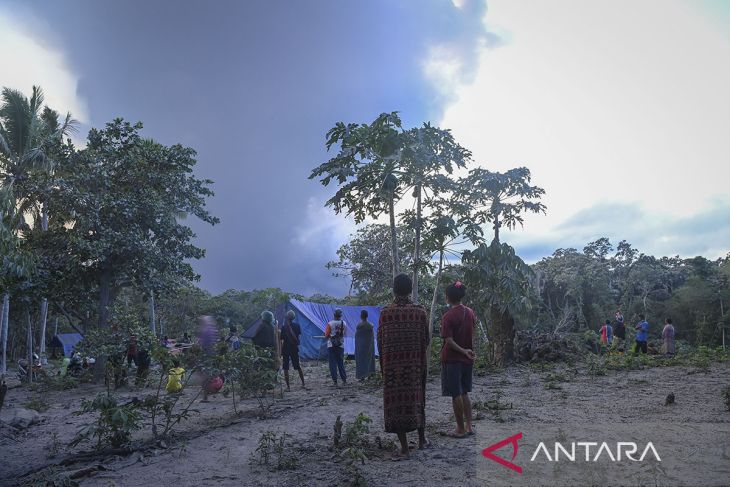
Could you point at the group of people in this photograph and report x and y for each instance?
(403, 340)
(613, 335)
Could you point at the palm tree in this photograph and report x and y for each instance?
(28, 136)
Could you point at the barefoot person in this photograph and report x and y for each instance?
(402, 344)
(364, 348)
(457, 357)
(290, 333)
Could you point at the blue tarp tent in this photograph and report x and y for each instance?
(312, 318)
(65, 342)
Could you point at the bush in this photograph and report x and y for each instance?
(272, 445)
(251, 372)
(726, 397)
(115, 423)
(595, 365)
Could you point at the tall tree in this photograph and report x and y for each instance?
(429, 158)
(366, 260)
(28, 135)
(502, 198)
(379, 163)
(121, 204)
(365, 170)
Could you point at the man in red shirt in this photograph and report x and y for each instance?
(457, 357)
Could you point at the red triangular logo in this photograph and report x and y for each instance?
(487, 452)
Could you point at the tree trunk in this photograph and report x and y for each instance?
(44, 301)
(503, 332)
(431, 319)
(4, 332)
(152, 313)
(393, 237)
(105, 298)
(105, 291)
(496, 228)
(31, 362)
(44, 317)
(417, 247)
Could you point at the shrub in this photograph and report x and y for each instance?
(272, 445)
(595, 365)
(114, 425)
(251, 372)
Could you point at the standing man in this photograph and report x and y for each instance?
(457, 357)
(403, 345)
(290, 333)
(642, 334)
(335, 334)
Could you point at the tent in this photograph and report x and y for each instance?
(65, 342)
(312, 318)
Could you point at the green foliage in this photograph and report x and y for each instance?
(595, 365)
(117, 204)
(434, 362)
(251, 372)
(274, 446)
(366, 260)
(353, 448)
(37, 404)
(498, 278)
(54, 383)
(113, 426)
(501, 198)
(580, 290)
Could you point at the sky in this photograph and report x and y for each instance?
(620, 109)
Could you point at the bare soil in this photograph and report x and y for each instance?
(218, 447)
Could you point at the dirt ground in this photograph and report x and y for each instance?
(218, 447)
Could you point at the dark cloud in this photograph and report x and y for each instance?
(254, 86)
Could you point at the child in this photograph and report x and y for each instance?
(213, 386)
(174, 378)
(606, 334)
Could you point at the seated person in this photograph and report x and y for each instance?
(174, 378)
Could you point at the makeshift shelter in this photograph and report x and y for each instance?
(313, 318)
(65, 343)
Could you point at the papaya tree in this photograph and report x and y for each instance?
(428, 160)
(365, 170)
(502, 198)
(380, 163)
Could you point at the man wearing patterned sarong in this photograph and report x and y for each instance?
(402, 345)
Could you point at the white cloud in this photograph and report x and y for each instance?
(27, 61)
(611, 102)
